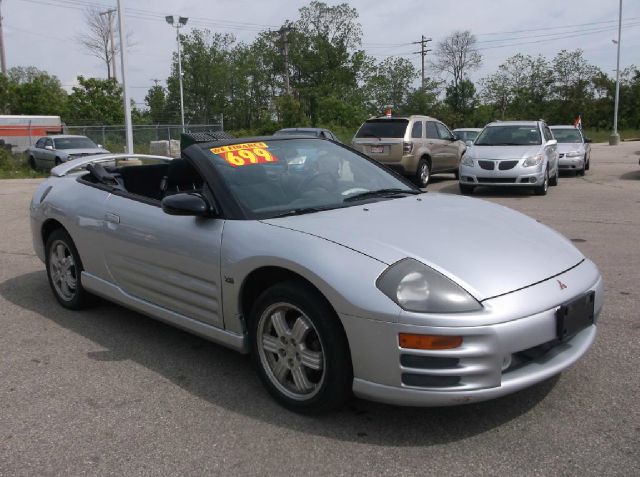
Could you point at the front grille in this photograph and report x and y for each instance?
(427, 362)
(488, 165)
(497, 180)
(429, 381)
(506, 165)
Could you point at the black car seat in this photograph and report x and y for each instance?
(181, 177)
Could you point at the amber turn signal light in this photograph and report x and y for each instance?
(411, 341)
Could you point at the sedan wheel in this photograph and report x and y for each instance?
(32, 162)
(63, 271)
(544, 187)
(300, 349)
(581, 172)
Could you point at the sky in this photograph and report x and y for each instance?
(43, 33)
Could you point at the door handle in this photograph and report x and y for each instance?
(113, 218)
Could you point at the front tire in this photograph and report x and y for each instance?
(32, 163)
(544, 187)
(554, 180)
(64, 269)
(466, 189)
(300, 349)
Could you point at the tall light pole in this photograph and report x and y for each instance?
(125, 92)
(614, 139)
(182, 21)
(3, 61)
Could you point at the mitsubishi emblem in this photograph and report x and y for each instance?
(562, 285)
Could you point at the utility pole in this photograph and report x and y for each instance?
(284, 32)
(614, 139)
(3, 60)
(109, 14)
(125, 92)
(423, 53)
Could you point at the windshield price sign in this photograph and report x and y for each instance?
(245, 154)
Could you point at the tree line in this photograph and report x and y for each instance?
(314, 72)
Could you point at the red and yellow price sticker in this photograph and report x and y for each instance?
(245, 154)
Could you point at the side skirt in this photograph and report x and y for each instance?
(114, 293)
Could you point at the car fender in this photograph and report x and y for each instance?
(344, 276)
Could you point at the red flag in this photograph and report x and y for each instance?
(578, 122)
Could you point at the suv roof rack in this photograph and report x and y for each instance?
(188, 139)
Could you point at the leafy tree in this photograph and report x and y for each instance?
(95, 101)
(391, 83)
(32, 91)
(97, 38)
(156, 100)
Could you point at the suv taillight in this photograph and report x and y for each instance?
(407, 147)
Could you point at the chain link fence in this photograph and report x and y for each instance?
(113, 137)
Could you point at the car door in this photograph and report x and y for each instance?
(170, 261)
(435, 145)
(36, 151)
(449, 146)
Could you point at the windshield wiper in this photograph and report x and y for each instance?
(301, 211)
(381, 193)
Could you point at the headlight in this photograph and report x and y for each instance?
(574, 153)
(415, 287)
(533, 161)
(466, 161)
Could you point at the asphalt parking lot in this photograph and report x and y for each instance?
(111, 392)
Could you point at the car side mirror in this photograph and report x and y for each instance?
(469, 143)
(49, 148)
(551, 142)
(588, 140)
(186, 203)
(455, 137)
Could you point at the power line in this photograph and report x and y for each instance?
(423, 52)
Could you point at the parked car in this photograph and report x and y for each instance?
(514, 154)
(50, 151)
(314, 132)
(416, 146)
(467, 135)
(574, 150)
(328, 276)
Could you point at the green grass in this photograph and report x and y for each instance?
(602, 135)
(14, 166)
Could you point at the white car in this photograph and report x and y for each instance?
(574, 149)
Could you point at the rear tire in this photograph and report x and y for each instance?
(300, 349)
(64, 270)
(58, 161)
(466, 189)
(423, 174)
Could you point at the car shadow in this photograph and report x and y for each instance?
(481, 191)
(631, 176)
(226, 378)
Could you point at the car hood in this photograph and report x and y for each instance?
(89, 150)
(564, 147)
(503, 152)
(488, 249)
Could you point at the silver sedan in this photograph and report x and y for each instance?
(336, 275)
(511, 153)
(574, 149)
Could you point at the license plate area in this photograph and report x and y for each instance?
(377, 149)
(575, 316)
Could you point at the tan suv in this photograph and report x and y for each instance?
(416, 146)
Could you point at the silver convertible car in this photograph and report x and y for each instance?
(338, 276)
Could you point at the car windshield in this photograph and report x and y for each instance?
(276, 177)
(467, 135)
(379, 128)
(74, 143)
(567, 135)
(512, 135)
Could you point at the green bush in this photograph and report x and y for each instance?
(14, 166)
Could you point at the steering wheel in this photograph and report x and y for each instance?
(307, 181)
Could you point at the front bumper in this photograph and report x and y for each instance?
(493, 360)
(517, 176)
(571, 163)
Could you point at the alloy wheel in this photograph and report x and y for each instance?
(290, 351)
(63, 270)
